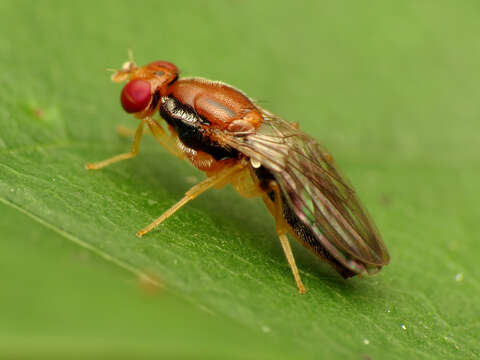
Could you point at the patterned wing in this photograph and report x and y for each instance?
(320, 197)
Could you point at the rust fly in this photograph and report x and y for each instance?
(222, 132)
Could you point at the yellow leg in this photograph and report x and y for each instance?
(222, 178)
(276, 208)
(125, 131)
(167, 142)
(291, 261)
(246, 184)
(163, 138)
(133, 152)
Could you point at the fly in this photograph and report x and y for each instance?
(223, 133)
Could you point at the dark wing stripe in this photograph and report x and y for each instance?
(281, 141)
(333, 210)
(339, 218)
(315, 190)
(322, 229)
(347, 238)
(324, 217)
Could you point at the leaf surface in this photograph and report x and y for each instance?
(389, 88)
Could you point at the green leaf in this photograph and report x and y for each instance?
(391, 88)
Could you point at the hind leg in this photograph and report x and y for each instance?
(282, 228)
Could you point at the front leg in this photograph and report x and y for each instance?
(133, 152)
(167, 141)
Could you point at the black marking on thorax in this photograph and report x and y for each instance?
(190, 128)
(155, 100)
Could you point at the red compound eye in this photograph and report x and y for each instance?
(135, 95)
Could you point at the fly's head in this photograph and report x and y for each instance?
(145, 85)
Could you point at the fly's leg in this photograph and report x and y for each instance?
(276, 208)
(167, 141)
(222, 178)
(247, 184)
(133, 152)
(291, 261)
(125, 131)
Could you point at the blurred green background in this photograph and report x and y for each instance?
(390, 87)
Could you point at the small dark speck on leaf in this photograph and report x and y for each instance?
(385, 199)
(39, 113)
(83, 256)
(149, 284)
